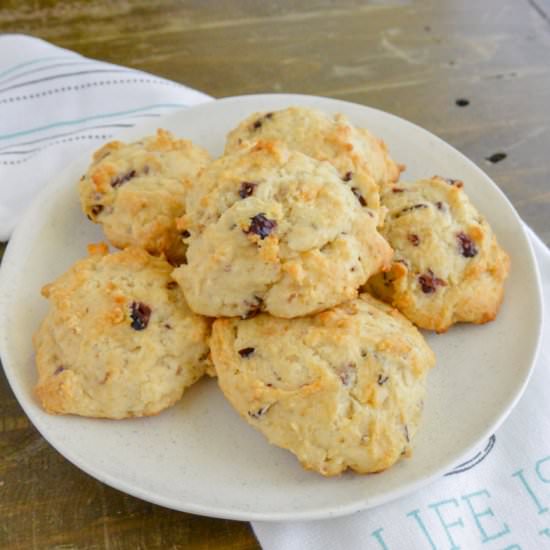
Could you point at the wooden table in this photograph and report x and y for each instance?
(475, 73)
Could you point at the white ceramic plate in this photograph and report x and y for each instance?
(199, 456)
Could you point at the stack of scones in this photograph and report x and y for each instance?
(295, 269)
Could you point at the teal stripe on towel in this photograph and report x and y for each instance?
(34, 61)
(94, 117)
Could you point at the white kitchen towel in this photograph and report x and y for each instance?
(499, 499)
(55, 103)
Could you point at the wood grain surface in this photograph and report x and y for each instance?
(412, 58)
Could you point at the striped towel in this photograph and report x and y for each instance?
(55, 104)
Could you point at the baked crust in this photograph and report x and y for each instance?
(119, 339)
(340, 389)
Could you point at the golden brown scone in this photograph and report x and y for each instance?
(340, 389)
(119, 339)
(275, 230)
(448, 266)
(324, 137)
(137, 190)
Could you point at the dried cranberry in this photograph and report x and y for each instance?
(467, 246)
(255, 307)
(140, 314)
(451, 181)
(410, 208)
(258, 123)
(347, 374)
(97, 209)
(246, 352)
(429, 282)
(123, 178)
(360, 197)
(247, 188)
(347, 176)
(261, 226)
(413, 239)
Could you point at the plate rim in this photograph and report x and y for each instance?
(223, 511)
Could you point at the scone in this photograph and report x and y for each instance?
(341, 389)
(119, 339)
(448, 266)
(137, 190)
(324, 137)
(274, 230)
